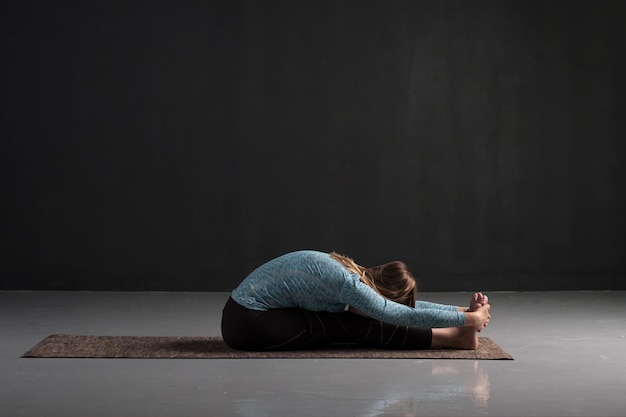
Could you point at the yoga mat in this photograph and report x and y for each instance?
(196, 347)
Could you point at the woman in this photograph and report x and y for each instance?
(309, 299)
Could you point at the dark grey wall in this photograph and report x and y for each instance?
(165, 145)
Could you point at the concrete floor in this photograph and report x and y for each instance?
(569, 349)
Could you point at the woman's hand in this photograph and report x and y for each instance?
(478, 319)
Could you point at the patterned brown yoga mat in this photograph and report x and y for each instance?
(165, 347)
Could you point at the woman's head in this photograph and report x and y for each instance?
(391, 280)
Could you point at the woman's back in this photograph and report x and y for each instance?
(306, 279)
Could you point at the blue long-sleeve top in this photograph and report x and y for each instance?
(314, 281)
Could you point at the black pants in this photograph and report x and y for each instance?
(292, 328)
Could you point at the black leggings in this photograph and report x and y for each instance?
(293, 328)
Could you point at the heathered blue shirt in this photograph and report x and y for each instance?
(315, 281)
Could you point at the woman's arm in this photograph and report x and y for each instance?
(475, 319)
(478, 299)
(365, 300)
(435, 306)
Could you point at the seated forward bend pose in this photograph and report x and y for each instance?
(309, 299)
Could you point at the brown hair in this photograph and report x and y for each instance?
(391, 280)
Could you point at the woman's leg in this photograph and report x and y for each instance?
(373, 333)
(283, 329)
(277, 329)
(455, 338)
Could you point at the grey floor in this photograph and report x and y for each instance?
(569, 349)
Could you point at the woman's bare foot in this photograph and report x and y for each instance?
(478, 300)
(455, 338)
